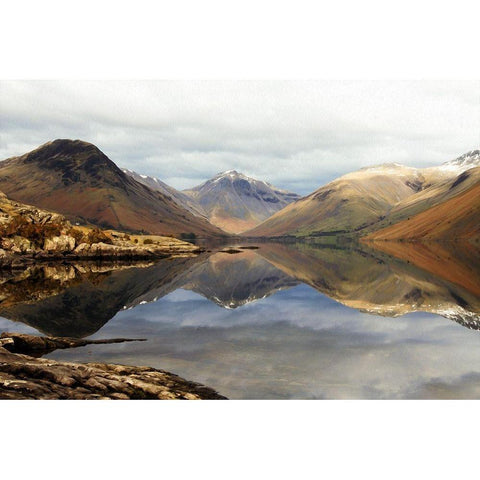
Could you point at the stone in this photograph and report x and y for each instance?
(26, 377)
(62, 243)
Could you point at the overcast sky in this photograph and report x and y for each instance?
(296, 135)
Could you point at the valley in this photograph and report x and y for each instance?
(233, 275)
(386, 201)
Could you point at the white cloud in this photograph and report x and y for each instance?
(294, 134)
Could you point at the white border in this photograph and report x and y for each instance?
(214, 39)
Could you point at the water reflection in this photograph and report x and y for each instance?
(283, 321)
(77, 300)
(419, 278)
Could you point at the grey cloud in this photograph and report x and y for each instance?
(296, 135)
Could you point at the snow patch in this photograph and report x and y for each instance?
(465, 161)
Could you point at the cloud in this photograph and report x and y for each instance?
(295, 344)
(294, 134)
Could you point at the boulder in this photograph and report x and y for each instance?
(62, 243)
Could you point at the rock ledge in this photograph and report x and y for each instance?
(25, 377)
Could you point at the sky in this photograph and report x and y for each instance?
(297, 135)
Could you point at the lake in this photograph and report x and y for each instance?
(281, 321)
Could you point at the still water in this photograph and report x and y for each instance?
(281, 321)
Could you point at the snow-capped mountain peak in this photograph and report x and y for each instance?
(229, 174)
(465, 161)
(236, 202)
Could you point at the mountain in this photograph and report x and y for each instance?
(347, 204)
(76, 179)
(435, 194)
(450, 221)
(464, 162)
(450, 211)
(235, 202)
(368, 199)
(178, 197)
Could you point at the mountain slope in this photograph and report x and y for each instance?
(235, 202)
(76, 179)
(432, 196)
(347, 204)
(178, 197)
(454, 219)
(370, 199)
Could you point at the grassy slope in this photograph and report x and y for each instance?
(344, 205)
(456, 218)
(423, 200)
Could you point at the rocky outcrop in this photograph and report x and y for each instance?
(25, 377)
(29, 234)
(59, 244)
(161, 249)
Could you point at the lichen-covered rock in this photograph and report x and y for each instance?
(62, 243)
(29, 234)
(17, 244)
(107, 250)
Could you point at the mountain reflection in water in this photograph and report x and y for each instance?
(297, 342)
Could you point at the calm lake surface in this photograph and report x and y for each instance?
(281, 321)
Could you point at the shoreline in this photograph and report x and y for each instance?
(24, 375)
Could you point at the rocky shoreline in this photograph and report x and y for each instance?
(23, 376)
(29, 235)
(98, 252)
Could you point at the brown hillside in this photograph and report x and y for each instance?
(348, 204)
(76, 179)
(454, 219)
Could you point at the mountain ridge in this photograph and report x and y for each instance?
(78, 180)
(179, 197)
(361, 201)
(454, 218)
(235, 202)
